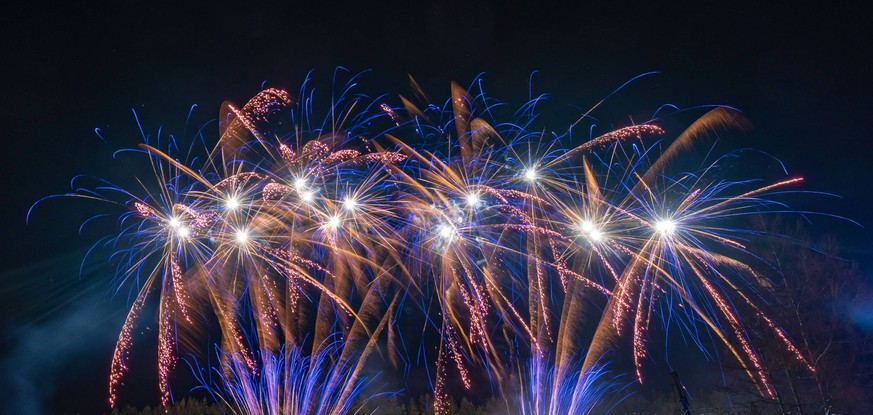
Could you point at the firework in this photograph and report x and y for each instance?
(497, 235)
(289, 381)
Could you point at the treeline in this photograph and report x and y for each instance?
(813, 294)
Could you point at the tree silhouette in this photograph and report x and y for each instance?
(811, 292)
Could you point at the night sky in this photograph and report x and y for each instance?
(801, 75)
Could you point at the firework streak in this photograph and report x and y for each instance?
(296, 234)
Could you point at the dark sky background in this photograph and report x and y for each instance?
(801, 74)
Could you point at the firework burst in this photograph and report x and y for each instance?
(301, 231)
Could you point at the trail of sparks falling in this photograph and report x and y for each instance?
(312, 227)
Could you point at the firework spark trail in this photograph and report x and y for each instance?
(166, 345)
(307, 228)
(122, 348)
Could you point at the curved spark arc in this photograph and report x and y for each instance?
(294, 231)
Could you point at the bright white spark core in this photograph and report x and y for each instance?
(242, 236)
(665, 227)
(588, 227)
(182, 231)
(175, 222)
(595, 235)
(446, 231)
(300, 183)
(307, 196)
(333, 222)
(231, 203)
(530, 174)
(472, 199)
(349, 203)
